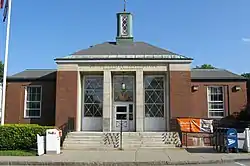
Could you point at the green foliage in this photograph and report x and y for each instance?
(247, 75)
(20, 136)
(17, 153)
(1, 69)
(205, 66)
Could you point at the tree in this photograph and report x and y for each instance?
(247, 75)
(1, 70)
(205, 66)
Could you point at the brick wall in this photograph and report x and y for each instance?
(66, 97)
(15, 95)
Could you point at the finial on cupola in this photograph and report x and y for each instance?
(124, 26)
(125, 2)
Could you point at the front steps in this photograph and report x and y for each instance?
(82, 140)
(111, 140)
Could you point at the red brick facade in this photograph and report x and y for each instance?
(66, 97)
(180, 94)
(15, 103)
(60, 98)
(234, 101)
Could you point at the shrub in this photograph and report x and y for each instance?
(20, 136)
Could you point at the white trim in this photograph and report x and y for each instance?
(79, 104)
(25, 101)
(223, 102)
(124, 60)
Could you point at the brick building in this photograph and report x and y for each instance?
(142, 86)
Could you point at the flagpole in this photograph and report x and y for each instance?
(6, 61)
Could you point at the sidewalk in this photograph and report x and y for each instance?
(129, 157)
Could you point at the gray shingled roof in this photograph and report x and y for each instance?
(135, 48)
(214, 74)
(34, 74)
(196, 74)
(107, 50)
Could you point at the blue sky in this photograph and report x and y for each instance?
(210, 31)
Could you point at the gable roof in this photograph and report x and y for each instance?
(134, 50)
(196, 74)
(214, 74)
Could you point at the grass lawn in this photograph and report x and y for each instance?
(17, 153)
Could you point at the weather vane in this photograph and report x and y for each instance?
(125, 1)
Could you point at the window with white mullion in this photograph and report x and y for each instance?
(33, 101)
(215, 101)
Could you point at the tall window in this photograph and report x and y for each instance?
(215, 102)
(33, 101)
(154, 96)
(93, 96)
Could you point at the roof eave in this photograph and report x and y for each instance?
(204, 79)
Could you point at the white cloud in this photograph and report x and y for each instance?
(246, 39)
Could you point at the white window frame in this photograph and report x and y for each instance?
(25, 101)
(208, 102)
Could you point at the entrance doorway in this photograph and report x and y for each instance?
(124, 117)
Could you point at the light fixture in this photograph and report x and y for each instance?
(195, 87)
(123, 86)
(237, 88)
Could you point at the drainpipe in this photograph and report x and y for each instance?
(168, 98)
(228, 101)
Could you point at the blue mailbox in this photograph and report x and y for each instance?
(231, 139)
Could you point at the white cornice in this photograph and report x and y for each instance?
(76, 61)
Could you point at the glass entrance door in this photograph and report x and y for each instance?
(122, 117)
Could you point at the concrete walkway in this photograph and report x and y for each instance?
(175, 156)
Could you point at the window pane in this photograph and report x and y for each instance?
(33, 101)
(33, 105)
(121, 116)
(93, 96)
(121, 109)
(88, 110)
(33, 113)
(154, 96)
(119, 94)
(216, 114)
(33, 93)
(215, 102)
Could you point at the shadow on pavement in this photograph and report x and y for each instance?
(201, 150)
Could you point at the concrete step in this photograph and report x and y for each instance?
(83, 138)
(88, 148)
(83, 142)
(86, 136)
(153, 140)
